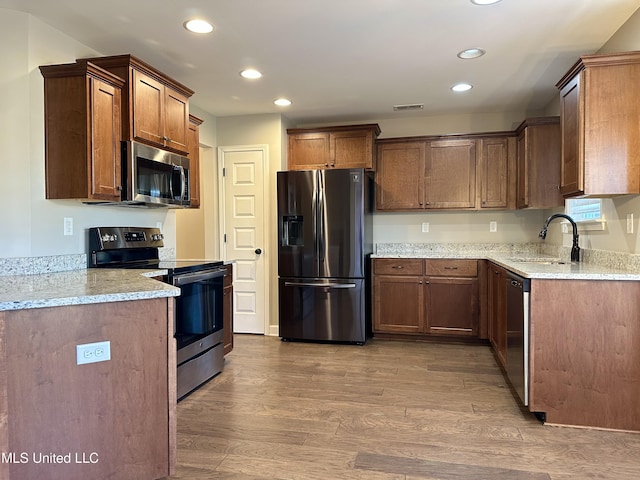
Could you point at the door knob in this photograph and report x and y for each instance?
(258, 251)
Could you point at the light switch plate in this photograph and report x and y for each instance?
(68, 226)
(425, 227)
(493, 226)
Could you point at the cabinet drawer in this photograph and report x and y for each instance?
(397, 266)
(452, 268)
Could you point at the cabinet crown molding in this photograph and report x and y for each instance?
(134, 62)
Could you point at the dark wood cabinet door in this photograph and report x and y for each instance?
(450, 174)
(398, 304)
(176, 120)
(497, 311)
(309, 151)
(193, 147)
(400, 176)
(452, 306)
(148, 115)
(572, 170)
(351, 149)
(494, 165)
(522, 169)
(538, 163)
(105, 140)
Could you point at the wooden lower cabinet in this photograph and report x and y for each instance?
(497, 311)
(119, 416)
(227, 309)
(401, 308)
(436, 297)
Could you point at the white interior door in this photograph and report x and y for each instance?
(242, 209)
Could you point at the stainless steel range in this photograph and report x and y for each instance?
(198, 321)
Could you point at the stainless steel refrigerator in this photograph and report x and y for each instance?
(324, 242)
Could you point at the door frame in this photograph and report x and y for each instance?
(222, 208)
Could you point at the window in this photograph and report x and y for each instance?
(585, 209)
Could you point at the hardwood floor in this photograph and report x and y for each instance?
(386, 410)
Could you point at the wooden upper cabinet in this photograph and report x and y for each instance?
(400, 176)
(600, 118)
(349, 146)
(193, 144)
(457, 172)
(156, 107)
(82, 132)
(450, 180)
(496, 166)
(538, 163)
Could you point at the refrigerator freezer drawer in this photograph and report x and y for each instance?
(322, 309)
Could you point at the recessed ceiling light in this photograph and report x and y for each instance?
(198, 26)
(282, 102)
(471, 53)
(484, 2)
(251, 73)
(461, 87)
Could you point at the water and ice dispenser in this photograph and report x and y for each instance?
(292, 231)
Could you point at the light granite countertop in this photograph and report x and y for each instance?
(525, 260)
(77, 287)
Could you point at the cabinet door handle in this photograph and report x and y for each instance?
(450, 268)
(397, 266)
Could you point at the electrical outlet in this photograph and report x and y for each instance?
(93, 352)
(629, 222)
(493, 226)
(425, 227)
(68, 226)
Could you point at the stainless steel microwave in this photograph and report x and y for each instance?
(153, 177)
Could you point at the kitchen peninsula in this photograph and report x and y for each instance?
(584, 361)
(108, 419)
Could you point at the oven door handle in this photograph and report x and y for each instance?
(186, 278)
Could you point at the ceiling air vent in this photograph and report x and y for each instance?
(408, 107)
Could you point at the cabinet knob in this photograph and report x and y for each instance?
(258, 251)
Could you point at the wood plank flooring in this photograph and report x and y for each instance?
(388, 410)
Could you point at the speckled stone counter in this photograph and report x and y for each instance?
(529, 260)
(79, 287)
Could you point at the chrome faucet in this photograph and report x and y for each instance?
(575, 249)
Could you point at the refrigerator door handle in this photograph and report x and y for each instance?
(320, 285)
(321, 218)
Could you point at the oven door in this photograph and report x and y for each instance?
(199, 306)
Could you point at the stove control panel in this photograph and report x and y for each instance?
(109, 238)
(111, 244)
(135, 237)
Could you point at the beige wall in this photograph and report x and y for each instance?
(270, 130)
(31, 226)
(615, 236)
(197, 228)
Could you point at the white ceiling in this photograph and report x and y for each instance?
(348, 60)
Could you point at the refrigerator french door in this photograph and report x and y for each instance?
(324, 229)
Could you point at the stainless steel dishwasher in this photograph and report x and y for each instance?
(518, 290)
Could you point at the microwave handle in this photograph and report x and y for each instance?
(183, 183)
